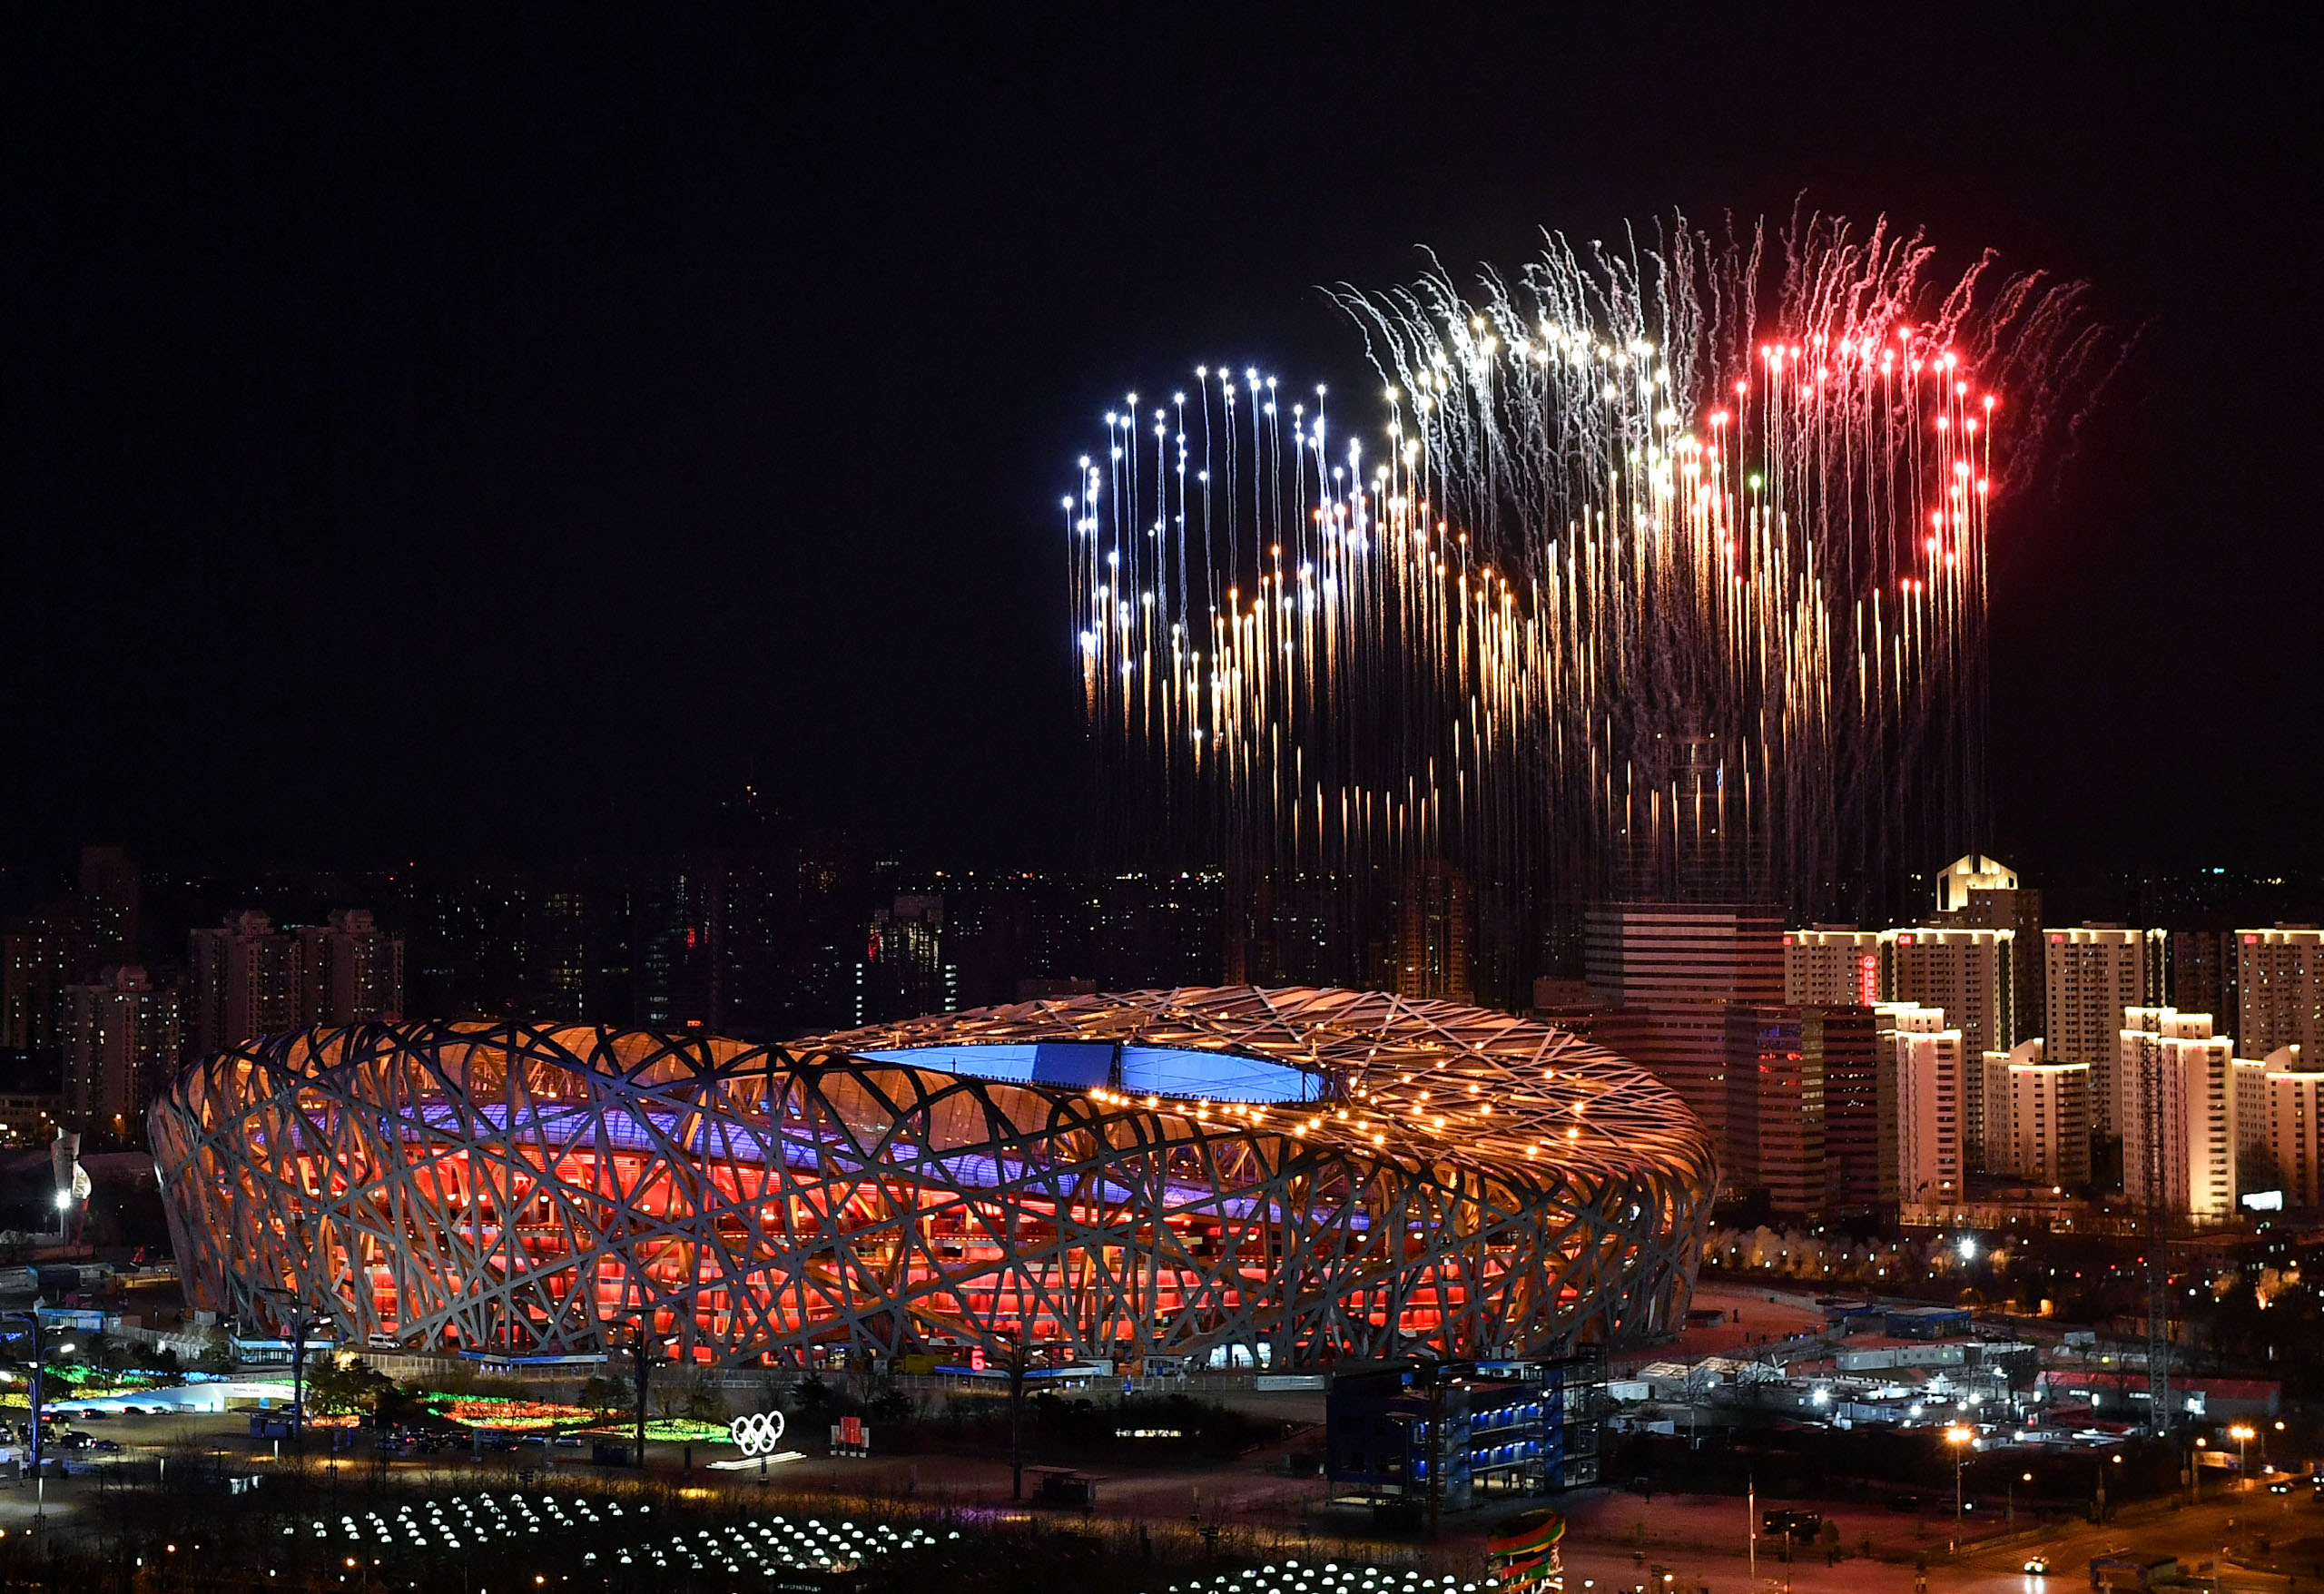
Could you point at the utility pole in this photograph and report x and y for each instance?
(2155, 1185)
(1435, 1450)
(1017, 1371)
(40, 1348)
(641, 1359)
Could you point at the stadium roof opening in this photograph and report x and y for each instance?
(1139, 1070)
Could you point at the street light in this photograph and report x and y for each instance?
(38, 1331)
(301, 1323)
(2242, 1434)
(1960, 1437)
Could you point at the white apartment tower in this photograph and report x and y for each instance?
(2091, 975)
(1930, 1108)
(1967, 974)
(2280, 984)
(1827, 967)
(2037, 1116)
(2196, 1081)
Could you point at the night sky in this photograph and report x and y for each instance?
(466, 438)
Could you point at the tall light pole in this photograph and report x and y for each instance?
(1960, 1437)
(303, 1322)
(2241, 1434)
(38, 1332)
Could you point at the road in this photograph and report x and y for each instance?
(1702, 1545)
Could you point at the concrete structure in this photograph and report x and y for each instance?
(1433, 937)
(2279, 1112)
(2196, 1079)
(1971, 896)
(1969, 974)
(121, 1040)
(1971, 873)
(1646, 954)
(1682, 1044)
(110, 904)
(2280, 989)
(349, 971)
(2037, 1116)
(1930, 1059)
(1803, 1108)
(247, 979)
(1833, 965)
(2093, 974)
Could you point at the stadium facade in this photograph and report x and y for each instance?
(1242, 1176)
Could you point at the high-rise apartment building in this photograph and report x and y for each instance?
(2280, 1116)
(111, 904)
(905, 970)
(41, 954)
(2200, 973)
(1930, 1061)
(121, 1038)
(247, 980)
(2037, 1116)
(2280, 989)
(1977, 893)
(1433, 937)
(1969, 975)
(2192, 1132)
(1834, 966)
(2093, 974)
(349, 971)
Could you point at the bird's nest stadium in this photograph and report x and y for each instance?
(1244, 1176)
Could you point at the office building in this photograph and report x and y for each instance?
(1682, 1044)
(2093, 974)
(2187, 1127)
(349, 971)
(247, 981)
(1833, 965)
(1929, 1059)
(1644, 954)
(1662, 973)
(2280, 989)
(1803, 1105)
(1966, 876)
(2037, 1116)
(121, 1040)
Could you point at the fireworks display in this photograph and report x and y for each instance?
(1662, 573)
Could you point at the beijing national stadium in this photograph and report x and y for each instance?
(1241, 1176)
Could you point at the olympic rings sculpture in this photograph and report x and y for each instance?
(1249, 1177)
(758, 1434)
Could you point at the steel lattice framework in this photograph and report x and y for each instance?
(1421, 1174)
